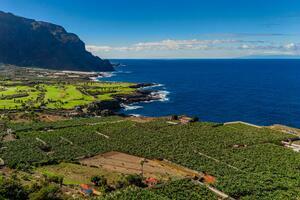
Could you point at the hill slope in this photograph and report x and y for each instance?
(26, 42)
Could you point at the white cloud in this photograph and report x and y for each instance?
(292, 46)
(94, 48)
(227, 46)
(193, 44)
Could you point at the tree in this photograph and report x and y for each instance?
(99, 181)
(48, 192)
(195, 119)
(142, 166)
(135, 179)
(174, 117)
(12, 189)
(54, 179)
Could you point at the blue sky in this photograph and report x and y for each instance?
(173, 28)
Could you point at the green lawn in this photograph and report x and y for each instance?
(17, 102)
(59, 95)
(77, 174)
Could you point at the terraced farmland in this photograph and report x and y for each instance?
(248, 163)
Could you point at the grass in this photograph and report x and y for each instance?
(75, 174)
(16, 103)
(66, 97)
(59, 95)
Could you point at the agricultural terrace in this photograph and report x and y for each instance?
(248, 162)
(180, 189)
(57, 95)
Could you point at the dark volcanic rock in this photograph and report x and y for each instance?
(138, 96)
(142, 85)
(99, 106)
(26, 42)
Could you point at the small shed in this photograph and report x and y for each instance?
(151, 181)
(86, 190)
(209, 179)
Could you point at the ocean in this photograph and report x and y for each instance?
(263, 92)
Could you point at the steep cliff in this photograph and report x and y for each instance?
(26, 42)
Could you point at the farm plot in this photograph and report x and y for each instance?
(75, 174)
(180, 189)
(248, 163)
(129, 164)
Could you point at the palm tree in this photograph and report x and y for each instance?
(142, 166)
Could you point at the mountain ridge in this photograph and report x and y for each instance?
(29, 43)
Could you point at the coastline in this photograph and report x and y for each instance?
(146, 93)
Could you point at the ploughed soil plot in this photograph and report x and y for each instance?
(129, 164)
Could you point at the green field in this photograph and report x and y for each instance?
(248, 162)
(181, 189)
(77, 174)
(16, 95)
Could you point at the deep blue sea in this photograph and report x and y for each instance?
(262, 92)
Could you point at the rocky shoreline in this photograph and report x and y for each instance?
(102, 108)
(115, 105)
(138, 96)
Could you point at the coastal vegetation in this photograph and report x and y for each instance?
(64, 135)
(46, 140)
(236, 154)
(22, 95)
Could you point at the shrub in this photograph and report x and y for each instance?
(135, 179)
(99, 181)
(54, 179)
(49, 192)
(174, 117)
(195, 119)
(12, 189)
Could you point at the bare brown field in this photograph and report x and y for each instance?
(129, 164)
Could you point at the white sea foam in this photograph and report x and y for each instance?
(130, 107)
(123, 72)
(108, 74)
(162, 95)
(94, 78)
(136, 115)
(156, 85)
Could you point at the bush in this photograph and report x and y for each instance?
(12, 189)
(195, 119)
(136, 180)
(54, 179)
(121, 184)
(99, 181)
(49, 192)
(174, 117)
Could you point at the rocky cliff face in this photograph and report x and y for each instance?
(26, 42)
